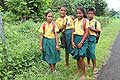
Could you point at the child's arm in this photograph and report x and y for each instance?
(56, 38)
(73, 44)
(64, 25)
(97, 27)
(83, 38)
(41, 38)
(94, 30)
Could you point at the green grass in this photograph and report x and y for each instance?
(23, 50)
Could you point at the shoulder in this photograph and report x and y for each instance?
(54, 24)
(86, 20)
(97, 22)
(58, 19)
(70, 17)
(75, 19)
(44, 23)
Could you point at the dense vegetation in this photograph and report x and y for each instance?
(22, 10)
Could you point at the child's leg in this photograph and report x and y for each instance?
(78, 68)
(67, 60)
(54, 66)
(88, 61)
(50, 66)
(82, 66)
(94, 64)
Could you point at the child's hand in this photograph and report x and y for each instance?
(73, 45)
(41, 48)
(57, 47)
(80, 45)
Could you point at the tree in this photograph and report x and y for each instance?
(113, 13)
(26, 9)
(100, 6)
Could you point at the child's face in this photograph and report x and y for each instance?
(49, 17)
(90, 15)
(62, 12)
(79, 14)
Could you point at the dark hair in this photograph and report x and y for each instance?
(91, 9)
(61, 7)
(81, 9)
(47, 13)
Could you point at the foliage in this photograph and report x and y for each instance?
(26, 9)
(21, 50)
(113, 13)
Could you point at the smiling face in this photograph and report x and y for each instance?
(49, 17)
(62, 11)
(79, 14)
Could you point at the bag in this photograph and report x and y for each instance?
(97, 33)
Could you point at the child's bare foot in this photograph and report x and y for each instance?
(66, 67)
(82, 77)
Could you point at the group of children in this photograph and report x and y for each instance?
(78, 37)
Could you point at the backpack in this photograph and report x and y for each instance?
(97, 33)
(44, 25)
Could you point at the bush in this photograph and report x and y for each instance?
(22, 49)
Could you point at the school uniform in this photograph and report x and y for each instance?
(78, 34)
(49, 53)
(67, 32)
(92, 39)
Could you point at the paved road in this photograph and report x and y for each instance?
(111, 71)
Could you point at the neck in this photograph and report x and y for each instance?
(90, 19)
(80, 19)
(62, 17)
(48, 22)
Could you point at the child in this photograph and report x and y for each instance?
(94, 29)
(49, 42)
(65, 24)
(79, 40)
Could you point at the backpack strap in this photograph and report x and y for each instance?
(84, 28)
(96, 28)
(95, 24)
(84, 24)
(97, 33)
(53, 24)
(43, 28)
(74, 24)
